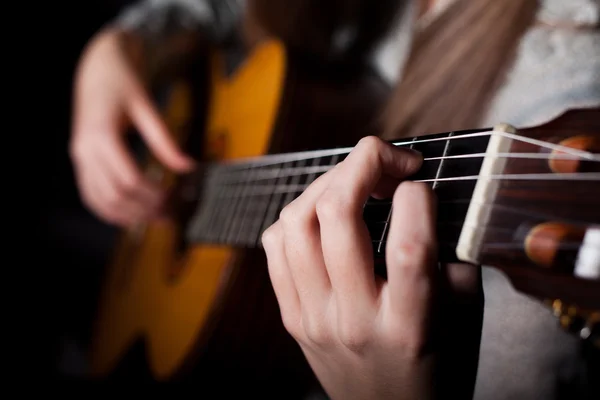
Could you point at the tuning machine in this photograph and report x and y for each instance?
(584, 323)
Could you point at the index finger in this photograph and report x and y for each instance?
(347, 246)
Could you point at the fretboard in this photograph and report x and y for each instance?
(240, 200)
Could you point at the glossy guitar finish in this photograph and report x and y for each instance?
(194, 290)
(210, 308)
(524, 201)
(152, 291)
(554, 226)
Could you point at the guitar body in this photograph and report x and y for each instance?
(199, 312)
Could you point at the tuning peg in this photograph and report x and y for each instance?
(585, 324)
(591, 330)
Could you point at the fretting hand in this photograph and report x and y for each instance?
(366, 338)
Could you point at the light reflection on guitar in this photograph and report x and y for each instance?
(174, 297)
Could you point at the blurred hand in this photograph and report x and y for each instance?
(364, 337)
(109, 97)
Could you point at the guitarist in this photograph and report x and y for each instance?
(112, 187)
(158, 37)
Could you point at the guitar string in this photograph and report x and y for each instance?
(577, 153)
(589, 176)
(491, 245)
(459, 223)
(262, 174)
(509, 209)
(494, 228)
(521, 246)
(388, 203)
(570, 245)
(270, 159)
(480, 227)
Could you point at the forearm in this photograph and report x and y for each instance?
(162, 35)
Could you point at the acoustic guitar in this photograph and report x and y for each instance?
(525, 201)
(170, 309)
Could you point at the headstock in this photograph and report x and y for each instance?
(544, 231)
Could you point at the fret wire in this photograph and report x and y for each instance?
(589, 176)
(441, 164)
(295, 188)
(204, 229)
(215, 224)
(306, 155)
(240, 209)
(288, 157)
(291, 195)
(247, 200)
(231, 211)
(273, 209)
(385, 228)
(206, 204)
(312, 176)
(389, 216)
(231, 193)
(248, 222)
(256, 231)
(266, 174)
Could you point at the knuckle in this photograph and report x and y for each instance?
(409, 256)
(293, 217)
(409, 340)
(269, 237)
(370, 144)
(355, 337)
(131, 182)
(316, 331)
(418, 191)
(291, 323)
(114, 199)
(331, 207)
(76, 150)
(288, 215)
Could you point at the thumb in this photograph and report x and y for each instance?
(156, 134)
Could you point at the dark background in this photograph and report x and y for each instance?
(76, 243)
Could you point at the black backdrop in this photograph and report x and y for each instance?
(77, 243)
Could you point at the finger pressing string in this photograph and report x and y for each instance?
(411, 253)
(346, 247)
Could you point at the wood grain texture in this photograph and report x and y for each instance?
(540, 221)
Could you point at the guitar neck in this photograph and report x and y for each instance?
(240, 200)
